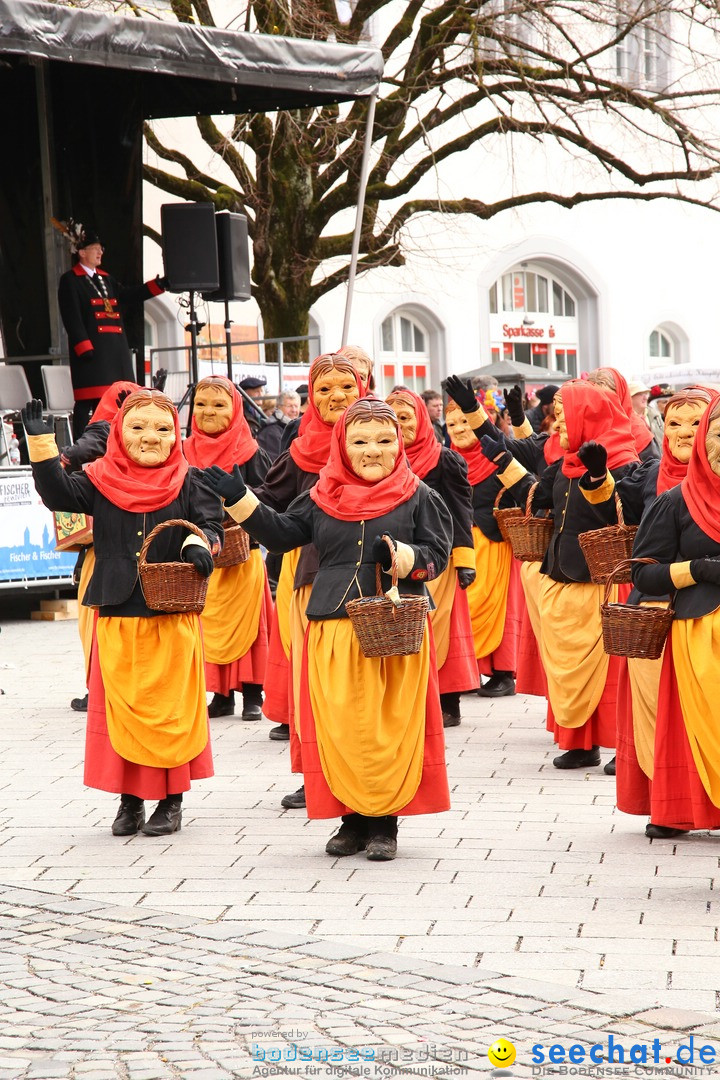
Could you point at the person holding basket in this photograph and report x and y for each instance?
(147, 727)
(371, 726)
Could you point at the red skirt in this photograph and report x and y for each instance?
(459, 672)
(250, 668)
(633, 786)
(505, 657)
(107, 771)
(530, 672)
(678, 798)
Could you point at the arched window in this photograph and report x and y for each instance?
(661, 347)
(404, 353)
(533, 319)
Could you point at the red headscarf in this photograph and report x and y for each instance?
(552, 450)
(424, 453)
(234, 446)
(640, 431)
(342, 494)
(107, 405)
(479, 468)
(701, 486)
(311, 448)
(131, 486)
(672, 472)
(593, 414)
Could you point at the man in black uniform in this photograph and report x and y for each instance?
(254, 387)
(90, 306)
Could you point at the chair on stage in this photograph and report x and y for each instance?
(59, 400)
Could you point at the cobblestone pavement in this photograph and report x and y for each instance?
(532, 911)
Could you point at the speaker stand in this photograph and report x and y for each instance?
(189, 395)
(228, 341)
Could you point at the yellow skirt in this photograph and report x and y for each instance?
(696, 656)
(644, 678)
(231, 618)
(369, 718)
(154, 678)
(283, 596)
(442, 590)
(297, 621)
(487, 596)
(571, 648)
(86, 615)
(530, 578)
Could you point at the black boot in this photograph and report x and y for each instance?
(166, 818)
(662, 832)
(252, 701)
(221, 705)
(350, 837)
(578, 759)
(280, 733)
(295, 800)
(609, 769)
(382, 838)
(450, 705)
(500, 684)
(130, 816)
(79, 704)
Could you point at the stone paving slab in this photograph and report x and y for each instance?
(532, 882)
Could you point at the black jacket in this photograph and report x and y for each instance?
(346, 568)
(669, 534)
(118, 534)
(449, 479)
(99, 351)
(284, 482)
(573, 514)
(90, 445)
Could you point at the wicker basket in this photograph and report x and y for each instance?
(384, 629)
(172, 587)
(504, 515)
(605, 548)
(629, 629)
(236, 547)
(528, 535)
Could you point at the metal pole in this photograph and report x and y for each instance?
(364, 173)
(228, 341)
(281, 357)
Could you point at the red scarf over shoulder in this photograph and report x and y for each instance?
(701, 486)
(234, 446)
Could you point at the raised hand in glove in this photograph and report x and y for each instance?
(121, 397)
(159, 379)
(465, 576)
(200, 557)
(381, 552)
(462, 393)
(162, 282)
(594, 458)
(514, 406)
(494, 450)
(32, 418)
(230, 486)
(707, 570)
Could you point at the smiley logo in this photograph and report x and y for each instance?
(501, 1053)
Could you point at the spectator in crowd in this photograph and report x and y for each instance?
(434, 405)
(287, 409)
(302, 392)
(639, 396)
(657, 403)
(269, 406)
(254, 387)
(543, 408)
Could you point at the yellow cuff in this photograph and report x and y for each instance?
(405, 558)
(241, 510)
(514, 472)
(525, 431)
(476, 418)
(42, 447)
(601, 494)
(193, 539)
(463, 558)
(681, 576)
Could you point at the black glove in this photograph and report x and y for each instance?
(230, 486)
(494, 450)
(200, 557)
(121, 397)
(462, 393)
(514, 406)
(465, 576)
(707, 570)
(381, 553)
(162, 282)
(594, 458)
(32, 418)
(159, 379)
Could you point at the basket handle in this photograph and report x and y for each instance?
(167, 525)
(528, 504)
(619, 510)
(498, 497)
(393, 567)
(621, 566)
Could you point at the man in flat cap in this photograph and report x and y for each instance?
(91, 303)
(254, 387)
(544, 407)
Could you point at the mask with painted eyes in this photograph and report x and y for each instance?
(148, 435)
(560, 424)
(460, 432)
(712, 445)
(681, 424)
(372, 448)
(212, 409)
(333, 393)
(407, 419)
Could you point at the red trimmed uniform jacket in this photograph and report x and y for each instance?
(99, 350)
